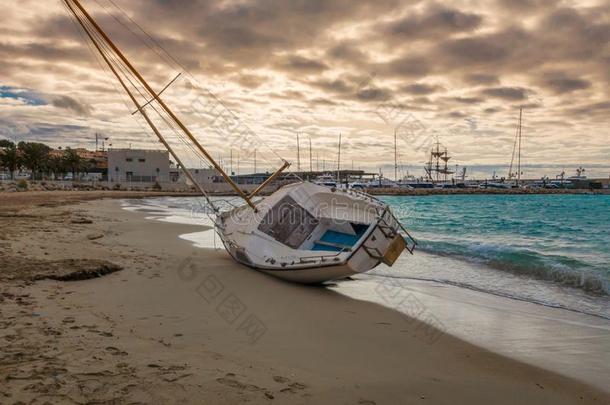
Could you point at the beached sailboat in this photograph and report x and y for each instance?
(303, 232)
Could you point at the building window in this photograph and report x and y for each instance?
(129, 160)
(141, 160)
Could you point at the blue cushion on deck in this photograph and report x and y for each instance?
(336, 237)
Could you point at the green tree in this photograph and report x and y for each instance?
(34, 156)
(73, 162)
(5, 143)
(57, 166)
(9, 159)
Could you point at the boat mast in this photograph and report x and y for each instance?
(298, 154)
(519, 155)
(157, 97)
(339, 161)
(395, 158)
(310, 157)
(511, 174)
(144, 114)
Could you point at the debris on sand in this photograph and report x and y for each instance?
(77, 269)
(81, 221)
(28, 269)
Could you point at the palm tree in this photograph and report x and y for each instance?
(9, 158)
(57, 166)
(34, 156)
(73, 161)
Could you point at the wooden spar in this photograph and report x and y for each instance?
(159, 93)
(140, 109)
(164, 106)
(269, 180)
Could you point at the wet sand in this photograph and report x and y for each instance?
(177, 324)
(568, 342)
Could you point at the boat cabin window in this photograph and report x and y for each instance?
(288, 223)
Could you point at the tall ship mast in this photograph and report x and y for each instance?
(437, 167)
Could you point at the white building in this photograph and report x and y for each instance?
(138, 165)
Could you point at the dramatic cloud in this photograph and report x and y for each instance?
(71, 104)
(456, 70)
(506, 93)
(421, 88)
(302, 64)
(435, 21)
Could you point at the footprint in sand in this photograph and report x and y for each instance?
(292, 387)
(116, 352)
(230, 381)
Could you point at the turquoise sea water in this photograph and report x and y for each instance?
(560, 238)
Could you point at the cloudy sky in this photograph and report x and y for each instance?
(457, 71)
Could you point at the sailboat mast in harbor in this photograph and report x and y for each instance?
(310, 157)
(298, 154)
(520, 138)
(395, 158)
(339, 161)
(517, 151)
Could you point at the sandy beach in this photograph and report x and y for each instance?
(101, 305)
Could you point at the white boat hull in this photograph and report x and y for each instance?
(308, 233)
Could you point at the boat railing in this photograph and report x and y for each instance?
(380, 221)
(411, 242)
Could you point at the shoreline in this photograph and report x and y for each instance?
(149, 333)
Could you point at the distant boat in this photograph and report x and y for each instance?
(418, 184)
(326, 180)
(304, 232)
(382, 182)
(504, 186)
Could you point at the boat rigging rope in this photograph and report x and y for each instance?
(110, 59)
(173, 62)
